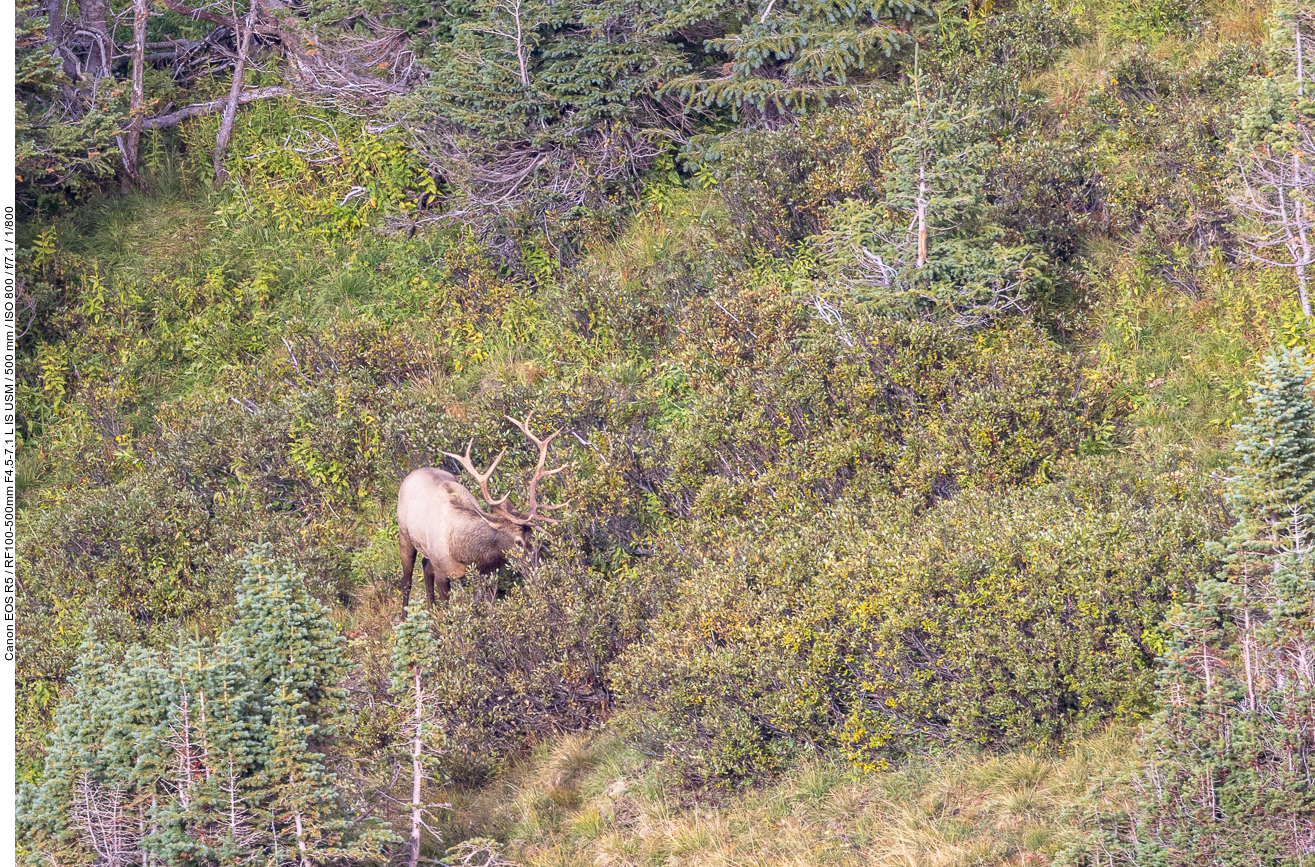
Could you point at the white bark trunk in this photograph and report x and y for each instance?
(520, 47)
(417, 771)
(129, 143)
(1302, 255)
(205, 741)
(922, 216)
(1301, 67)
(1246, 654)
(301, 839)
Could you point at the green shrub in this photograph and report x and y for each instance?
(784, 411)
(1161, 145)
(1147, 20)
(990, 56)
(535, 662)
(1045, 193)
(878, 630)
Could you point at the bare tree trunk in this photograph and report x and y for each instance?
(417, 771)
(55, 38)
(235, 92)
(183, 752)
(518, 37)
(1302, 252)
(301, 838)
(1299, 178)
(922, 216)
(92, 23)
(1301, 68)
(1302, 292)
(202, 108)
(129, 143)
(205, 737)
(55, 24)
(520, 45)
(1246, 652)
(238, 821)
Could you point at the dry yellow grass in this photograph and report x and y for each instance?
(588, 801)
(679, 219)
(1081, 69)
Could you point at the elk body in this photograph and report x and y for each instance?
(441, 521)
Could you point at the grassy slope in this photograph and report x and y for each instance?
(586, 799)
(1181, 361)
(583, 799)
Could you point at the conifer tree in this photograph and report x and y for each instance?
(136, 755)
(210, 754)
(213, 729)
(302, 809)
(44, 811)
(232, 735)
(925, 247)
(1228, 778)
(781, 55)
(287, 640)
(296, 661)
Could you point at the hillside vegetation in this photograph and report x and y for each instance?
(927, 503)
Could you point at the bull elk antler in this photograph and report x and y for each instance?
(535, 509)
(482, 478)
(532, 493)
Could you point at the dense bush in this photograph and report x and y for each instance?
(992, 60)
(786, 410)
(878, 629)
(535, 662)
(1161, 144)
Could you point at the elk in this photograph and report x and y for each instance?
(439, 519)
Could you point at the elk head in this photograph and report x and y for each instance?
(501, 515)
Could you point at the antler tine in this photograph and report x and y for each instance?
(482, 478)
(554, 507)
(532, 492)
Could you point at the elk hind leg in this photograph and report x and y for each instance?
(408, 567)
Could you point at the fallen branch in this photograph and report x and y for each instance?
(203, 108)
(195, 14)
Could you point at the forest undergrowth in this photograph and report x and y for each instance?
(879, 549)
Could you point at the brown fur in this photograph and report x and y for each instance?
(442, 521)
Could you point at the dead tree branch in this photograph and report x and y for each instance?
(201, 108)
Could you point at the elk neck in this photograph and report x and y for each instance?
(484, 542)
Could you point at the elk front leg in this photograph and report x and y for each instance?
(436, 576)
(408, 566)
